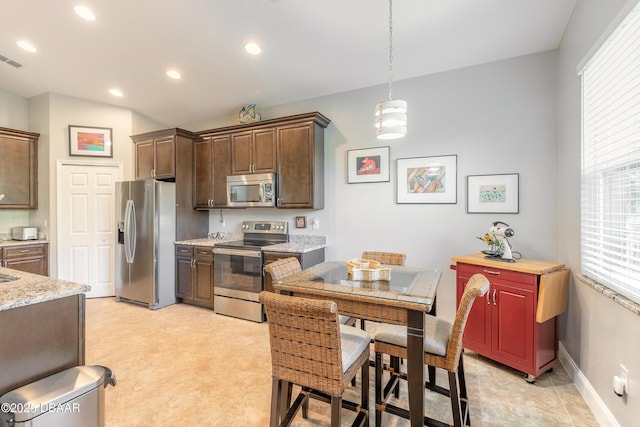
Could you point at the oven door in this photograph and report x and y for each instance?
(237, 273)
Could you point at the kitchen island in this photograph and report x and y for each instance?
(42, 327)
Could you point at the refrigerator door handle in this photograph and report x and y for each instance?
(130, 231)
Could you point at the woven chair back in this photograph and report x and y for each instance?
(282, 268)
(305, 341)
(477, 286)
(389, 258)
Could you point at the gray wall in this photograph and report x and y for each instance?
(597, 333)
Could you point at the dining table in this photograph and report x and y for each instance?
(403, 299)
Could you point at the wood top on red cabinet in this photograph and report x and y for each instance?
(522, 265)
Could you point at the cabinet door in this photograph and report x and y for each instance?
(18, 172)
(477, 332)
(241, 148)
(184, 273)
(203, 169)
(264, 150)
(164, 152)
(221, 168)
(204, 281)
(512, 321)
(296, 167)
(144, 159)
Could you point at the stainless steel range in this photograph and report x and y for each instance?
(238, 269)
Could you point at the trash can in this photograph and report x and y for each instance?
(71, 398)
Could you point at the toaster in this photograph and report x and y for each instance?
(24, 233)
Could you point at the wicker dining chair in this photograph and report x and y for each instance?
(443, 349)
(311, 349)
(389, 258)
(287, 266)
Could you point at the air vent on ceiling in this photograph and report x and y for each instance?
(10, 61)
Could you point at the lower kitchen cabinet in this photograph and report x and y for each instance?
(30, 258)
(194, 275)
(306, 259)
(502, 325)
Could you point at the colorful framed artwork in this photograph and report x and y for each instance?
(493, 193)
(90, 141)
(427, 179)
(301, 222)
(368, 165)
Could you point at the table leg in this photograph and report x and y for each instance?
(415, 366)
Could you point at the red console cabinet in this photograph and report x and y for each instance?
(502, 326)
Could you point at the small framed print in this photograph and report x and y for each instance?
(493, 193)
(427, 179)
(90, 141)
(368, 165)
(301, 222)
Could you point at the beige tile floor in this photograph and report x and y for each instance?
(186, 366)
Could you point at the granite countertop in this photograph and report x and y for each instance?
(5, 243)
(295, 247)
(203, 242)
(296, 243)
(32, 288)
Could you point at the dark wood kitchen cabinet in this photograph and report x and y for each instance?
(30, 258)
(18, 169)
(211, 166)
(155, 155)
(306, 259)
(253, 151)
(502, 326)
(194, 275)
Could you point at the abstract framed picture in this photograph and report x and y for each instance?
(90, 141)
(427, 179)
(368, 165)
(493, 193)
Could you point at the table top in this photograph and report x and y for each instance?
(410, 287)
(522, 265)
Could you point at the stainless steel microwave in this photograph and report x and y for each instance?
(257, 190)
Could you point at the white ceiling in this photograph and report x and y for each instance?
(310, 48)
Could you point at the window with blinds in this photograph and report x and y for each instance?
(610, 213)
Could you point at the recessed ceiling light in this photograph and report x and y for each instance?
(116, 92)
(252, 48)
(27, 46)
(84, 13)
(174, 74)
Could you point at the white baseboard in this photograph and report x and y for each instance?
(597, 406)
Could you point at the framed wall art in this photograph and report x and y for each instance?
(427, 179)
(90, 141)
(493, 193)
(368, 165)
(301, 222)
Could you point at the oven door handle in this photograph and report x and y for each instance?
(237, 252)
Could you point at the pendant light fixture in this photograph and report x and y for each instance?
(391, 115)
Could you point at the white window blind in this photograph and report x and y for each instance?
(610, 214)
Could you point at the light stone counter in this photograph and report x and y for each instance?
(7, 243)
(300, 244)
(30, 288)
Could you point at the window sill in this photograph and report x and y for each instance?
(610, 293)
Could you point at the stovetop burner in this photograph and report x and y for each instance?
(258, 234)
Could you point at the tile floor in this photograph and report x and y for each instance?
(186, 366)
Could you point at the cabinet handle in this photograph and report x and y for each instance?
(495, 273)
(487, 297)
(25, 251)
(494, 297)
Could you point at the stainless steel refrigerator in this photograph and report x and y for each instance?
(146, 223)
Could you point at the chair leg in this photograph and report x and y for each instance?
(336, 411)
(456, 409)
(276, 395)
(364, 387)
(395, 365)
(378, 387)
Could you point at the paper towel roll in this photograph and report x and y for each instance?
(618, 385)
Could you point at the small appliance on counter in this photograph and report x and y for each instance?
(24, 233)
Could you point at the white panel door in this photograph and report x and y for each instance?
(86, 226)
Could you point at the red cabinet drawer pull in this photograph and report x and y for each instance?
(495, 273)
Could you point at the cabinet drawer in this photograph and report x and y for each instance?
(467, 270)
(23, 251)
(184, 251)
(205, 253)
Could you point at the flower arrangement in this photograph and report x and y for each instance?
(494, 245)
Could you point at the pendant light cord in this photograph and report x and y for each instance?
(390, 50)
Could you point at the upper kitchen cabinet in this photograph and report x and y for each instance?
(18, 169)
(211, 166)
(253, 151)
(300, 151)
(155, 153)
